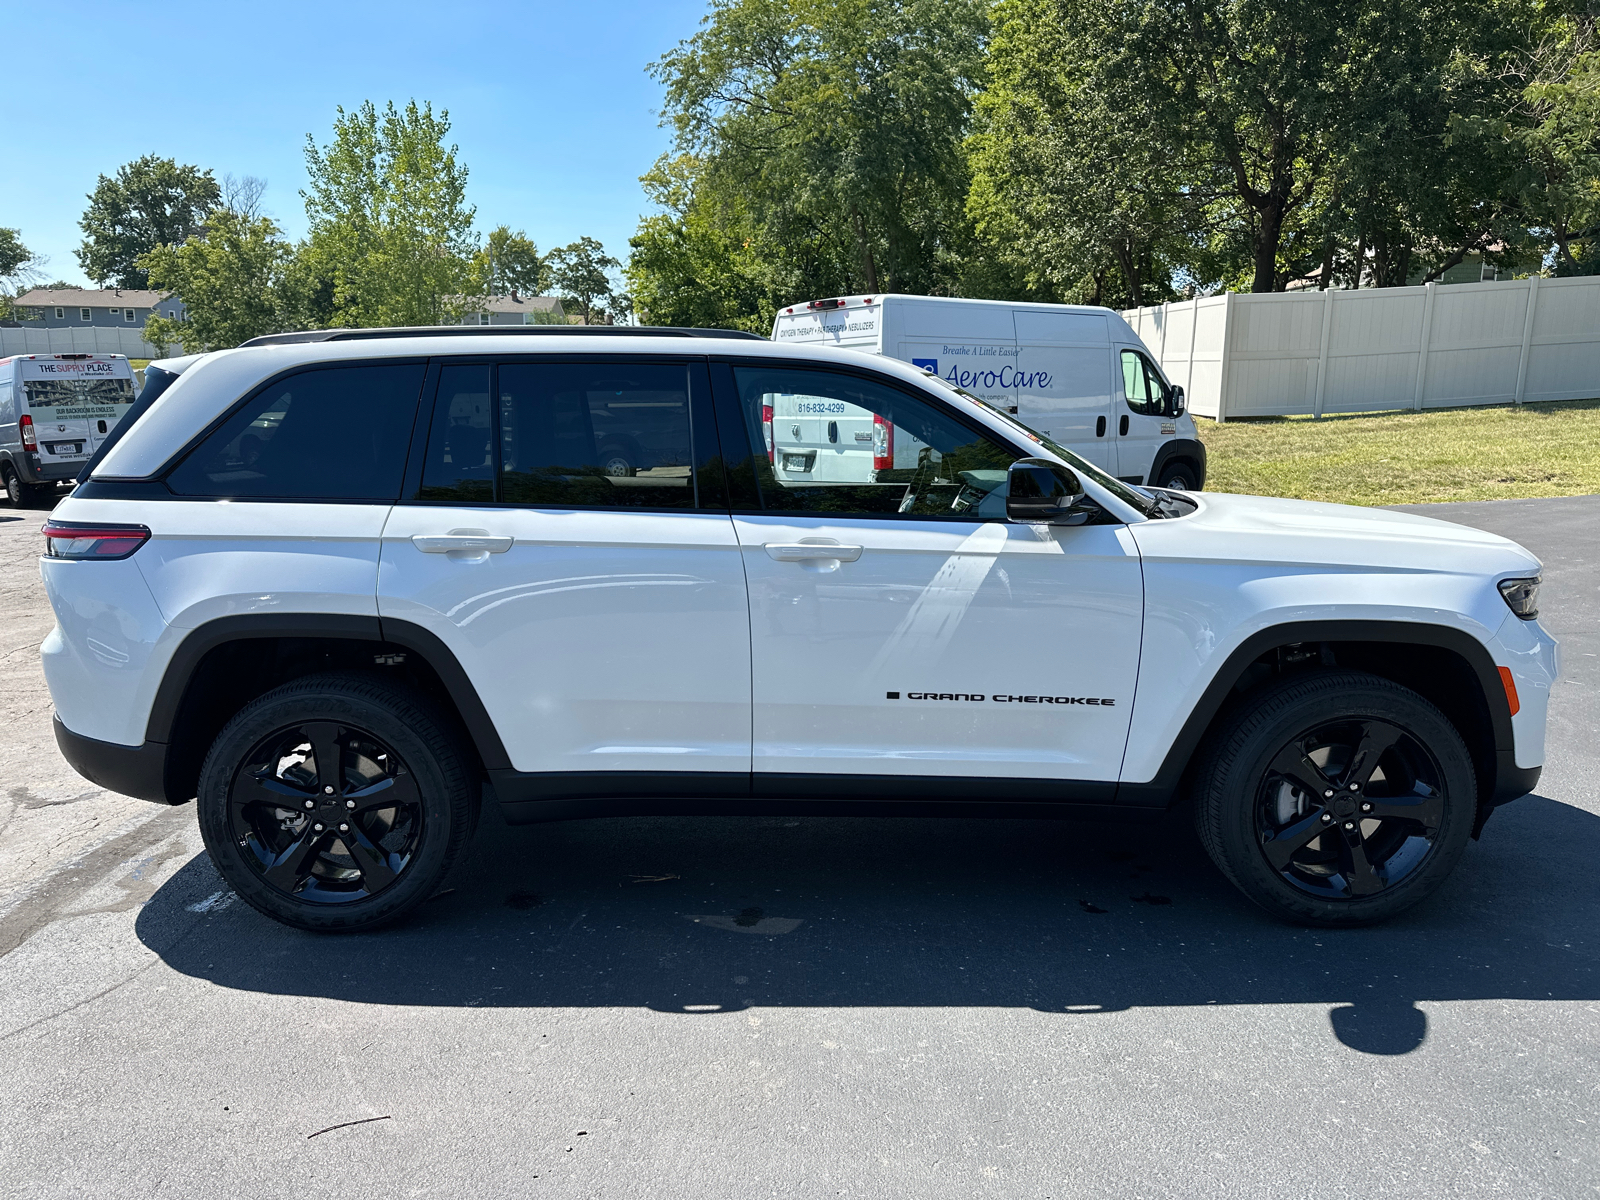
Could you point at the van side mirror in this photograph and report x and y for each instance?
(1176, 402)
(1040, 492)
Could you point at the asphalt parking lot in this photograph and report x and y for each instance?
(740, 1007)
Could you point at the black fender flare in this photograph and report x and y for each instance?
(1510, 780)
(1185, 448)
(406, 635)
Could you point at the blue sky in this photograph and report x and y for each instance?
(549, 103)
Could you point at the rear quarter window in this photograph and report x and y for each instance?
(335, 433)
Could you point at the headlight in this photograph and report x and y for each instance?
(1522, 596)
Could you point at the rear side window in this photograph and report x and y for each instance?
(562, 435)
(337, 433)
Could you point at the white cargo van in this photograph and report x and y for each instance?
(1078, 375)
(55, 410)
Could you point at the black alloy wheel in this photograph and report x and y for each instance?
(1335, 797)
(337, 802)
(326, 812)
(1350, 808)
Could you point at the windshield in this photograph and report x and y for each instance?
(1135, 498)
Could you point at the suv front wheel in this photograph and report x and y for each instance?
(1337, 798)
(335, 802)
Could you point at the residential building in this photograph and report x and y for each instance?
(514, 310)
(74, 308)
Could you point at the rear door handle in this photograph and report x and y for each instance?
(810, 551)
(444, 543)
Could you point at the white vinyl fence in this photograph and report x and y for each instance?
(1433, 346)
(85, 339)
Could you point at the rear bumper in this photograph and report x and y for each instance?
(137, 771)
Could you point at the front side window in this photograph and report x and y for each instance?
(1142, 385)
(327, 434)
(562, 435)
(835, 443)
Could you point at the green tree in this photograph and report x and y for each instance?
(510, 264)
(390, 229)
(150, 202)
(826, 144)
(581, 272)
(1073, 193)
(231, 281)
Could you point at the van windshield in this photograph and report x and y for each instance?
(1134, 498)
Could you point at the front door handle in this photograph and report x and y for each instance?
(457, 540)
(811, 551)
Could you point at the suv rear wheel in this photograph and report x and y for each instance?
(335, 802)
(1337, 799)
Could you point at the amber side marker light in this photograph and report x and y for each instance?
(1511, 690)
(69, 539)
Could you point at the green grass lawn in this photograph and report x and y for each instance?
(1499, 453)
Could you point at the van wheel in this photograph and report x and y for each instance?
(1336, 798)
(1180, 477)
(27, 495)
(616, 462)
(336, 803)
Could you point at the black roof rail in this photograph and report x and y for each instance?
(411, 331)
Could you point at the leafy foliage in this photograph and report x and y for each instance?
(150, 202)
(231, 280)
(509, 264)
(581, 272)
(390, 230)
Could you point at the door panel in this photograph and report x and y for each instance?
(1142, 405)
(598, 641)
(942, 648)
(557, 549)
(900, 626)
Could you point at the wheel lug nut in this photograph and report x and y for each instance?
(1349, 824)
(318, 828)
(1366, 807)
(328, 791)
(1328, 795)
(349, 803)
(311, 803)
(1355, 787)
(1327, 818)
(344, 829)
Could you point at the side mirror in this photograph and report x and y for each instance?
(1177, 403)
(1040, 492)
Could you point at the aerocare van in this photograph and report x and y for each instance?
(55, 410)
(1076, 374)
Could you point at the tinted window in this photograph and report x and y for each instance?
(839, 443)
(460, 461)
(334, 434)
(596, 435)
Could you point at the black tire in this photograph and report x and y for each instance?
(1387, 828)
(27, 495)
(619, 461)
(405, 800)
(1179, 476)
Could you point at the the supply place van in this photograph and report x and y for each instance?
(55, 410)
(1077, 375)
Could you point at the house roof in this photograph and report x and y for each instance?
(515, 304)
(76, 298)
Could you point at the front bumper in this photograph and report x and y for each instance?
(137, 771)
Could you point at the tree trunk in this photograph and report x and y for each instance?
(1325, 280)
(1361, 258)
(1127, 262)
(869, 267)
(1266, 248)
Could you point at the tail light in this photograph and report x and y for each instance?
(68, 539)
(766, 430)
(29, 440)
(882, 444)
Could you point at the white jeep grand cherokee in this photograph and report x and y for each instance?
(340, 586)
